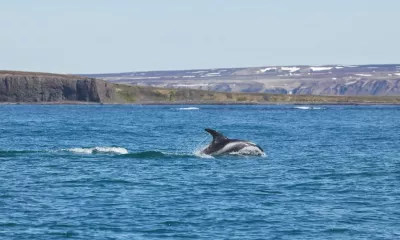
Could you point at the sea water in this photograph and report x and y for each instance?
(135, 172)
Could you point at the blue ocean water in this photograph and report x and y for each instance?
(133, 172)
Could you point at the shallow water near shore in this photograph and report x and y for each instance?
(135, 172)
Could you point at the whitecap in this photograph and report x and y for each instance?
(303, 107)
(81, 150)
(189, 108)
(309, 108)
(115, 150)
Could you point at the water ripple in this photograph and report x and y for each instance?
(331, 173)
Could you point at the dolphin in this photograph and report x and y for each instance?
(223, 145)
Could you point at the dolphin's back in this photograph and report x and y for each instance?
(215, 146)
(240, 146)
(222, 144)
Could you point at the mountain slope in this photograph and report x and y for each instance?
(339, 80)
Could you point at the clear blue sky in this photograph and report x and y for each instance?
(94, 36)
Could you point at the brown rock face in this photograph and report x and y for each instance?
(37, 87)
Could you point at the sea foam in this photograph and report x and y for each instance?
(115, 150)
(189, 108)
(308, 108)
(200, 154)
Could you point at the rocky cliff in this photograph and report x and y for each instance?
(45, 87)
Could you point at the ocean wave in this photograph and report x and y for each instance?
(189, 108)
(11, 153)
(93, 150)
(155, 154)
(145, 154)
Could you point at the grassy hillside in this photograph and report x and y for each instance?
(138, 94)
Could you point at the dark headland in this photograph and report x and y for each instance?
(48, 88)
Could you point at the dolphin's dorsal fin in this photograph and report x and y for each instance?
(217, 137)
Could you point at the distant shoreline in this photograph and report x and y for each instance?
(50, 89)
(202, 103)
